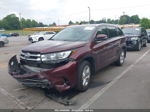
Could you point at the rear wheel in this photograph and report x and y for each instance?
(1, 44)
(84, 76)
(121, 58)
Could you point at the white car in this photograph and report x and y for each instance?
(42, 35)
(3, 41)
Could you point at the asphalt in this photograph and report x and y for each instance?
(114, 87)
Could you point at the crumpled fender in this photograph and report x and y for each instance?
(14, 66)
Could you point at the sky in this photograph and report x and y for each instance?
(62, 11)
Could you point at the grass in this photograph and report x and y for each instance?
(21, 32)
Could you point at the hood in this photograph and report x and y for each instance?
(53, 46)
(36, 35)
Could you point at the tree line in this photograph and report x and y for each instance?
(124, 19)
(12, 22)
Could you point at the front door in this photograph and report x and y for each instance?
(101, 49)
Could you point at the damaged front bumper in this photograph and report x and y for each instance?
(61, 78)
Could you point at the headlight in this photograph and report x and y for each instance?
(55, 56)
(134, 38)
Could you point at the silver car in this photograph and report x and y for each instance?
(3, 41)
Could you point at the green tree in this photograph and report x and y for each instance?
(135, 19)
(53, 24)
(145, 22)
(77, 22)
(34, 23)
(11, 22)
(41, 24)
(70, 22)
(109, 20)
(1, 24)
(28, 23)
(84, 22)
(125, 19)
(23, 23)
(92, 22)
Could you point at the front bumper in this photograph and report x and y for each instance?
(61, 78)
(131, 44)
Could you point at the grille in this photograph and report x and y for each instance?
(34, 59)
(31, 56)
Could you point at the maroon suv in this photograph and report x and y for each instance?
(69, 58)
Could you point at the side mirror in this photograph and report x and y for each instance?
(101, 37)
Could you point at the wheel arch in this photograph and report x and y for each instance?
(125, 50)
(91, 60)
(41, 38)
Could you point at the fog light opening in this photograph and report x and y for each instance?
(66, 81)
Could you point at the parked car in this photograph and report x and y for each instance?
(42, 35)
(136, 38)
(148, 33)
(2, 29)
(5, 35)
(14, 34)
(3, 41)
(70, 58)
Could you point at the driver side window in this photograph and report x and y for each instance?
(102, 30)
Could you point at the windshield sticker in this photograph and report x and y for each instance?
(88, 28)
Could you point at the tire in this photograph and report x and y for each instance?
(145, 45)
(83, 76)
(139, 46)
(121, 58)
(41, 39)
(1, 44)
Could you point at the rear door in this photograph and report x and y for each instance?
(114, 40)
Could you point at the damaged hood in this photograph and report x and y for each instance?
(53, 46)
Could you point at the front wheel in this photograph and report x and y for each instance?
(121, 58)
(145, 44)
(139, 46)
(83, 76)
(41, 39)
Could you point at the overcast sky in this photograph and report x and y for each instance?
(62, 11)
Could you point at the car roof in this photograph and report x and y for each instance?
(94, 25)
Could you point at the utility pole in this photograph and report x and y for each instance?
(20, 23)
(20, 20)
(123, 13)
(89, 14)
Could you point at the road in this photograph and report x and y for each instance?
(114, 87)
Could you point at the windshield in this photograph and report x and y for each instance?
(76, 33)
(131, 31)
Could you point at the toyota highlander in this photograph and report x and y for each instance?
(70, 57)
